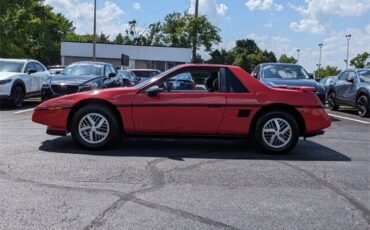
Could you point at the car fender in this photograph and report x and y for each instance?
(360, 91)
(19, 82)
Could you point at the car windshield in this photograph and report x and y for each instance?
(277, 71)
(145, 73)
(84, 69)
(364, 75)
(11, 66)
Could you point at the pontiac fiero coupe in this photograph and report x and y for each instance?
(226, 102)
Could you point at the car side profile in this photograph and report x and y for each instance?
(351, 88)
(20, 79)
(234, 104)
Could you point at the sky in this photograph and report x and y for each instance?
(276, 25)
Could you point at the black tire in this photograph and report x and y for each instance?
(363, 105)
(113, 133)
(331, 101)
(17, 96)
(265, 120)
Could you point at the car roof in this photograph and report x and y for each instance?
(280, 63)
(17, 60)
(143, 70)
(91, 62)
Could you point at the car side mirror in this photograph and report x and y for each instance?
(110, 75)
(310, 75)
(31, 71)
(351, 79)
(154, 90)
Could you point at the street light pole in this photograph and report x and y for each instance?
(298, 50)
(319, 65)
(94, 35)
(195, 32)
(348, 36)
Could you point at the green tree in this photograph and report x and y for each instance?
(360, 60)
(178, 30)
(119, 39)
(285, 59)
(29, 29)
(327, 71)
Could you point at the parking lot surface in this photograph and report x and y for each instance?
(48, 182)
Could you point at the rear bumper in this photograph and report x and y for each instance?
(316, 120)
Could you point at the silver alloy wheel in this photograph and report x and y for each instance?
(93, 128)
(277, 133)
(362, 105)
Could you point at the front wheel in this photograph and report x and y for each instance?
(331, 101)
(276, 132)
(17, 96)
(363, 106)
(94, 126)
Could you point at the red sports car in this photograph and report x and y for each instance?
(227, 101)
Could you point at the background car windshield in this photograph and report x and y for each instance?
(83, 69)
(145, 74)
(364, 75)
(284, 72)
(7, 66)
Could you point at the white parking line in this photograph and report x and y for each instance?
(350, 119)
(23, 111)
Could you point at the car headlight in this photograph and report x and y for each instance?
(2, 82)
(90, 85)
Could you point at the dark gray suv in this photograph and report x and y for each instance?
(351, 88)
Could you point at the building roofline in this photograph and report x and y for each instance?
(102, 43)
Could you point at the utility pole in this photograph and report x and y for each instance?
(195, 32)
(319, 65)
(94, 35)
(348, 36)
(298, 50)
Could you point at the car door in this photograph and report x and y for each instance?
(30, 80)
(340, 85)
(196, 111)
(40, 76)
(350, 89)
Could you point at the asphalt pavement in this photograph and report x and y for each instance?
(47, 182)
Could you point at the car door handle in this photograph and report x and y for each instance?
(214, 106)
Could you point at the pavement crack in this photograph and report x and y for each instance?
(357, 204)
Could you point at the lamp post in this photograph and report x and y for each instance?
(319, 65)
(298, 50)
(94, 35)
(195, 32)
(348, 36)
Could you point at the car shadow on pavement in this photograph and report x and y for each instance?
(26, 105)
(177, 149)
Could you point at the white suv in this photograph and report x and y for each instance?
(21, 78)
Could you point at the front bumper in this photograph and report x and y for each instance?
(55, 119)
(6, 89)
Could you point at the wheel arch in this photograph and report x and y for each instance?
(19, 82)
(82, 103)
(361, 91)
(283, 107)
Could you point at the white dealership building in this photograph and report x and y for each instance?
(140, 57)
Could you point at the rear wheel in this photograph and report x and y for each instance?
(363, 106)
(94, 126)
(331, 101)
(276, 132)
(17, 96)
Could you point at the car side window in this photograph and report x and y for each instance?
(29, 66)
(107, 71)
(352, 75)
(343, 76)
(38, 67)
(233, 83)
(193, 81)
(256, 71)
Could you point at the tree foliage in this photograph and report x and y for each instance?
(246, 54)
(285, 59)
(327, 71)
(360, 60)
(29, 29)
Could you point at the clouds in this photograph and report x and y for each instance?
(215, 12)
(316, 13)
(263, 5)
(333, 51)
(136, 5)
(109, 17)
